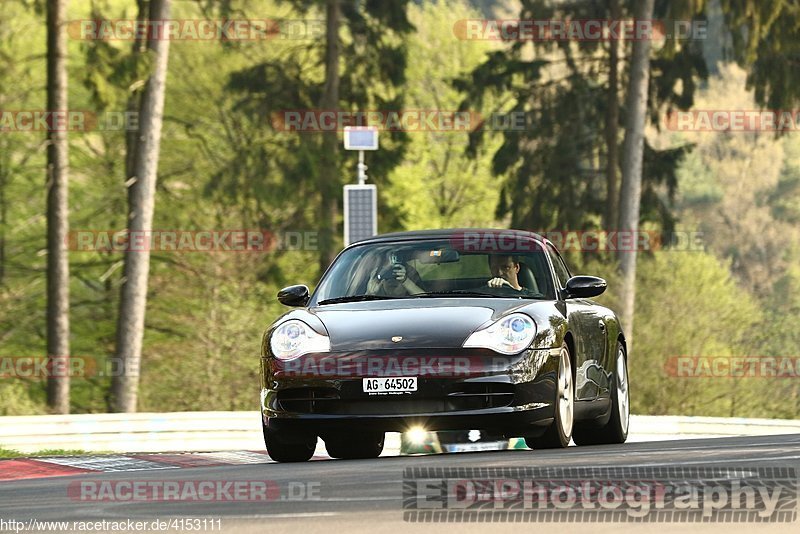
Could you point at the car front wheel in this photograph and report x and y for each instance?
(559, 433)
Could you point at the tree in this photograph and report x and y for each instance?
(765, 41)
(437, 185)
(741, 191)
(142, 184)
(632, 157)
(566, 158)
(612, 123)
(57, 211)
(689, 305)
(359, 66)
(329, 176)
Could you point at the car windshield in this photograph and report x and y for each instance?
(433, 268)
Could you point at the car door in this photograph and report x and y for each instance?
(589, 330)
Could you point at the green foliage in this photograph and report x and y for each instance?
(437, 185)
(554, 170)
(765, 41)
(9, 453)
(17, 399)
(738, 189)
(687, 304)
(224, 165)
(372, 67)
(205, 311)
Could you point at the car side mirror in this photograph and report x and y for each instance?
(293, 295)
(585, 286)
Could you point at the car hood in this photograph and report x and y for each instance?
(421, 323)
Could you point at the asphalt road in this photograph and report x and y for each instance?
(367, 495)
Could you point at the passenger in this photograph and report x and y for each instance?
(392, 279)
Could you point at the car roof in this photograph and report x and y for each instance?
(444, 233)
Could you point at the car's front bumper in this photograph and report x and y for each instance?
(456, 390)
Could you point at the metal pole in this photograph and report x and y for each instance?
(362, 169)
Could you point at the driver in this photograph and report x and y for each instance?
(504, 271)
(392, 280)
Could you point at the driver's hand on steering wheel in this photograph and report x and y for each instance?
(499, 282)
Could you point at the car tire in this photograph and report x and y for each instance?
(616, 430)
(559, 433)
(289, 448)
(354, 446)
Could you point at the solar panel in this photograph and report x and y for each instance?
(360, 212)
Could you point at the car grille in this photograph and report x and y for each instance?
(459, 397)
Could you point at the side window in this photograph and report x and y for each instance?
(562, 273)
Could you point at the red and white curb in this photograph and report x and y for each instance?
(30, 468)
(54, 466)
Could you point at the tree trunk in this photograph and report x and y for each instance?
(612, 125)
(329, 183)
(134, 99)
(57, 212)
(133, 296)
(633, 153)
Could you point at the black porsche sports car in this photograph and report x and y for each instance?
(443, 330)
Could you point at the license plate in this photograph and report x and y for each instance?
(472, 447)
(396, 384)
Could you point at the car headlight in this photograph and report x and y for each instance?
(295, 338)
(508, 335)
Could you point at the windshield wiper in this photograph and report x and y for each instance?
(459, 292)
(355, 298)
(465, 293)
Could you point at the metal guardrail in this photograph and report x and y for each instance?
(661, 427)
(219, 431)
(139, 432)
